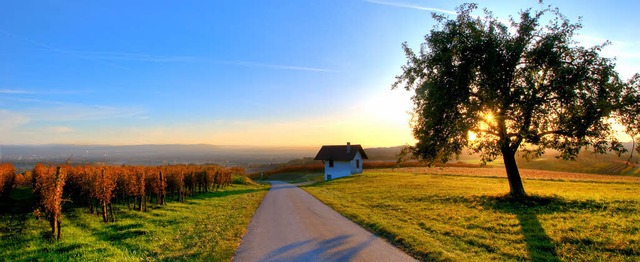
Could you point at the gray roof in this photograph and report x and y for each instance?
(339, 153)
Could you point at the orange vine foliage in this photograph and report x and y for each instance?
(97, 187)
(7, 177)
(100, 186)
(49, 183)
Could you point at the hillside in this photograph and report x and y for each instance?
(586, 162)
(264, 159)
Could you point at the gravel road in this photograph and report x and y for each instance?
(291, 225)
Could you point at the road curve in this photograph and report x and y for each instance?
(291, 225)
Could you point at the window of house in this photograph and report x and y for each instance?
(357, 163)
(330, 163)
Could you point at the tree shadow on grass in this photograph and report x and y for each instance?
(111, 234)
(540, 246)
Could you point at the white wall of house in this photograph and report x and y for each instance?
(343, 168)
(356, 164)
(339, 169)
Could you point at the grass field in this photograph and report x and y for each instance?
(207, 227)
(297, 177)
(462, 216)
(586, 162)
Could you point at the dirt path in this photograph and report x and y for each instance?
(291, 225)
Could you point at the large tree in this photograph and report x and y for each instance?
(523, 87)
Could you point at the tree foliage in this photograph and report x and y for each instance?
(7, 176)
(524, 87)
(49, 183)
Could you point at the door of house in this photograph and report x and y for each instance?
(328, 177)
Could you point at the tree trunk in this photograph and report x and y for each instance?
(104, 212)
(59, 228)
(513, 175)
(113, 218)
(53, 221)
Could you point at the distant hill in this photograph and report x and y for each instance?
(383, 153)
(26, 156)
(258, 159)
(586, 162)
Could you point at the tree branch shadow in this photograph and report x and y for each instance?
(331, 249)
(540, 247)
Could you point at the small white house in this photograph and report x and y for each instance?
(341, 160)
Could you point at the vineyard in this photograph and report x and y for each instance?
(96, 188)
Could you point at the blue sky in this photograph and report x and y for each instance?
(273, 73)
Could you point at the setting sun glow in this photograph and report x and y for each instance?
(229, 73)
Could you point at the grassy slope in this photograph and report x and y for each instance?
(461, 218)
(207, 227)
(297, 177)
(586, 162)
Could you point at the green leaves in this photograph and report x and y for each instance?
(542, 89)
(545, 91)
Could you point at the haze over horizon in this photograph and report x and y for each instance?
(276, 73)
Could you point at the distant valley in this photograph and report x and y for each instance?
(25, 156)
(258, 159)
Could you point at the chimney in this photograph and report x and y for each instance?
(348, 147)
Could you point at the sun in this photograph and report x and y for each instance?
(472, 136)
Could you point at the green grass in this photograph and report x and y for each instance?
(466, 218)
(208, 227)
(297, 177)
(587, 163)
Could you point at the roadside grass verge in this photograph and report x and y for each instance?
(206, 227)
(298, 177)
(468, 218)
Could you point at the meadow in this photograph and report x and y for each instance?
(206, 227)
(299, 177)
(462, 214)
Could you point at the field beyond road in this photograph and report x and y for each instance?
(462, 214)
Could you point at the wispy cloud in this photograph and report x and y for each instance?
(55, 49)
(102, 57)
(276, 66)
(589, 40)
(59, 129)
(35, 97)
(117, 56)
(620, 49)
(34, 92)
(626, 53)
(31, 100)
(410, 6)
(14, 91)
(11, 120)
(108, 58)
(74, 112)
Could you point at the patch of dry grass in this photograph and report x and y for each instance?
(525, 173)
